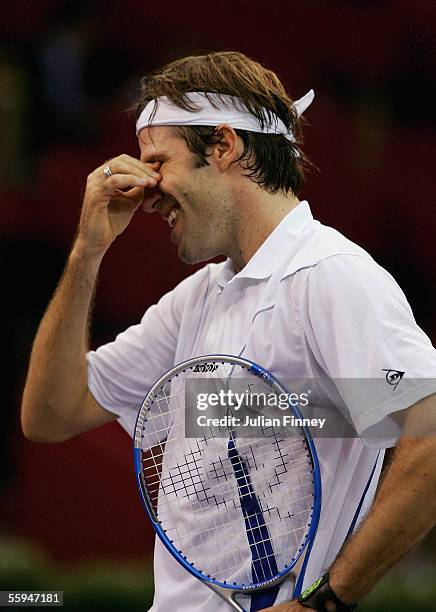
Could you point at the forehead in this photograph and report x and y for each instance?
(159, 140)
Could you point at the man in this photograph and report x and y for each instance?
(224, 169)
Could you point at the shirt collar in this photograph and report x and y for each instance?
(270, 254)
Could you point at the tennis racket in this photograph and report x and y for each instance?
(239, 513)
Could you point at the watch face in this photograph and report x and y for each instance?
(308, 592)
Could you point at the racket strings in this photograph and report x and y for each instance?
(189, 549)
(206, 532)
(190, 473)
(203, 490)
(268, 432)
(165, 452)
(186, 476)
(292, 537)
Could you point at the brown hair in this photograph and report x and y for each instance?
(274, 162)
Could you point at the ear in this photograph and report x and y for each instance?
(228, 149)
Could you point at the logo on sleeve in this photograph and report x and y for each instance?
(393, 377)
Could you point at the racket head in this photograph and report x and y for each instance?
(154, 424)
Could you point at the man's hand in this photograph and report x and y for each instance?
(110, 203)
(290, 606)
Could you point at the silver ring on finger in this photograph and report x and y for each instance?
(107, 171)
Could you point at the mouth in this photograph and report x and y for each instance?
(169, 211)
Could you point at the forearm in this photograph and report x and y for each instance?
(403, 513)
(56, 402)
(57, 378)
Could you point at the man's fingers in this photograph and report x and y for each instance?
(134, 196)
(127, 181)
(124, 164)
(122, 167)
(132, 193)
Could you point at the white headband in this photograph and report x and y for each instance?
(214, 110)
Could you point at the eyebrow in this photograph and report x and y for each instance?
(157, 157)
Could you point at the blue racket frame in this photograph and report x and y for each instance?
(224, 589)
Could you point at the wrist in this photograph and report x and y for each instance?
(320, 596)
(82, 270)
(341, 590)
(82, 255)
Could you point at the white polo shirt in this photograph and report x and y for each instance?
(308, 304)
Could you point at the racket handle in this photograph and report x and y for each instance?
(227, 594)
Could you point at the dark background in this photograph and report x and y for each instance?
(68, 72)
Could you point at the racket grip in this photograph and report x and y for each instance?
(227, 594)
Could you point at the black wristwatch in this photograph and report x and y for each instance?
(319, 593)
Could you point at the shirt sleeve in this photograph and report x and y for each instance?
(121, 372)
(362, 334)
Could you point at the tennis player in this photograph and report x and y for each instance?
(221, 162)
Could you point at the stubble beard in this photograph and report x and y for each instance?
(194, 249)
